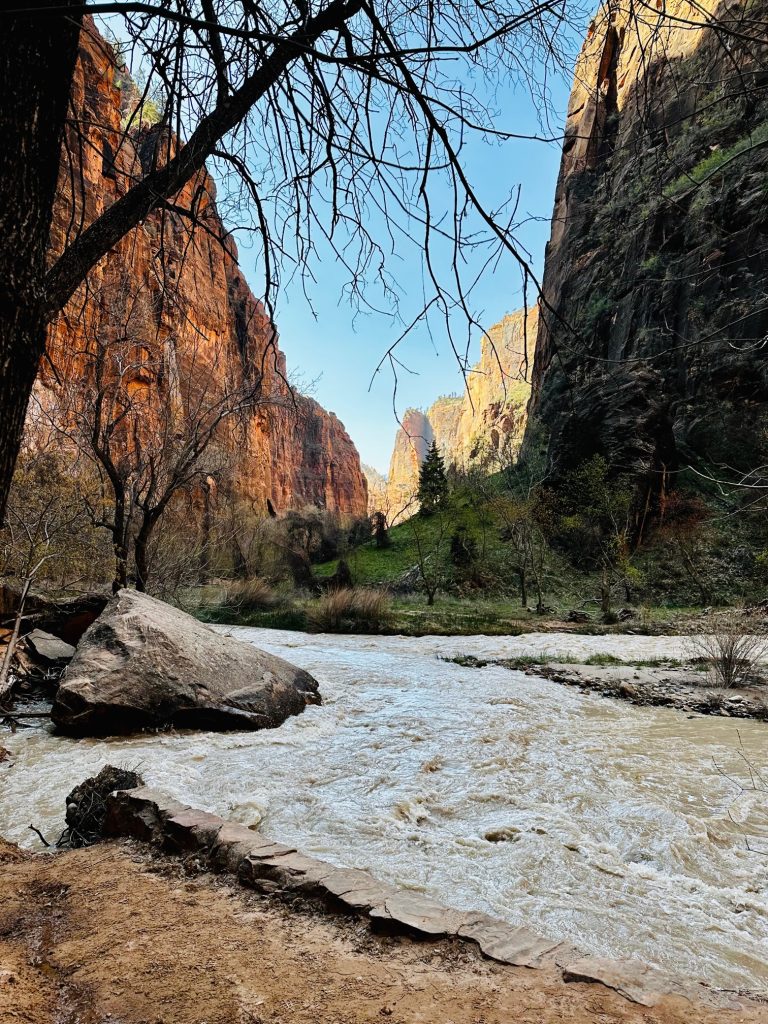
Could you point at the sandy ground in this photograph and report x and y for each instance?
(115, 936)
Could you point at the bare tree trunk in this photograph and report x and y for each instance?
(206, 528)
(36, 66)
(523, 587)
(120, 545)
(605, 592)
(141, 553)
(5, 685)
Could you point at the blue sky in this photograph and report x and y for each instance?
(334, 357)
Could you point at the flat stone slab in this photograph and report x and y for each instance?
(48, 647)
(419, 915)
(635, 981)
(140, 812)
(285, 870)
(191, 829)
(358, 891)
(505, 942)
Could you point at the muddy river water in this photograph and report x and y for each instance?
(631, 831)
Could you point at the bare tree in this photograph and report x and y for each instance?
(733, 651)
(429, 536)
(148, 435)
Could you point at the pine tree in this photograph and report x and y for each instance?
(433, 483)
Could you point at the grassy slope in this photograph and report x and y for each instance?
(372, 565)
(666, 599)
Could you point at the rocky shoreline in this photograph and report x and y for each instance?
(674, 688)
(643, 685)
(123, 931)
(259, 863)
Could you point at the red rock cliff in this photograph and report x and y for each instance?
(200, 313)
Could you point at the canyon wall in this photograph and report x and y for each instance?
(377, 488)
(651, 348)
(480, 427)
(173, 285)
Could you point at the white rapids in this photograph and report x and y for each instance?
(623, 829)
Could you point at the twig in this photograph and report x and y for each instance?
(40, 836)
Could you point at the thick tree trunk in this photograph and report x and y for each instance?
(141, 553)
(36, 65)
(141, 560)
(120, 532)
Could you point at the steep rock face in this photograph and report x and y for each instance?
(412, 440)
(175, 284)
(486, 422)
(651, 343)
(377, 489)
(493, 411)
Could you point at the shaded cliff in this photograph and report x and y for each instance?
(481, 426)
(175, 286)
(652, 352)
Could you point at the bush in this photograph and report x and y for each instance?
(732, 653)
(357, 610)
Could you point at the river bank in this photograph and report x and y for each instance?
(684, 686)
(118, 932)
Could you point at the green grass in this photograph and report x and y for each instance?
(371, 565)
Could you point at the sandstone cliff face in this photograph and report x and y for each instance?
(377, 489)
(652, 349)
(412, 440)
(196, 312)
(486, 423)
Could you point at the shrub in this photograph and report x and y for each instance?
(357, 610)
(253, 595)
(732, 652)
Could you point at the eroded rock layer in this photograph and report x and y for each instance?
(175, 284)
(484, 424)
(652, 349)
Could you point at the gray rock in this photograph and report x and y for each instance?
(48, 648)
(144, 664)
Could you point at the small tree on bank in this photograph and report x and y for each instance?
(433, 482)
(597, 523)
(380, 531)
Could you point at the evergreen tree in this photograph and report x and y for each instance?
(433, 483)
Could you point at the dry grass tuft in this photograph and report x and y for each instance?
(355, 610)
(253, 595)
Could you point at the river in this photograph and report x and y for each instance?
(620, 828)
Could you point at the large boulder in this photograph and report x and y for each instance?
(144, 664)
